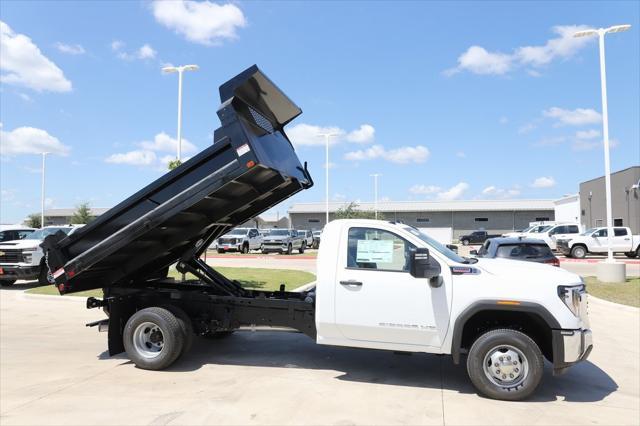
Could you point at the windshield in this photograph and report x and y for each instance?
(279, 232)
(529, 229)
(239, 231)
(589, 231)
(41, 234)
(439, 247)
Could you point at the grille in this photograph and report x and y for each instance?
(261, 121)
(227, 240)
(11, 256)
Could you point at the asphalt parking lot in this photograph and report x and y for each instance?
(54, 370)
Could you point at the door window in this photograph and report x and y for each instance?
(370, 248)
(573, 229)
(601, 233)
(619, 232)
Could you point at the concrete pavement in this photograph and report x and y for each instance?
(54, 370)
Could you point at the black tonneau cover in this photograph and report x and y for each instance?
(250, 167)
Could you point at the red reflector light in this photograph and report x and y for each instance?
(250, 164)
(71, 274)
(554, 262)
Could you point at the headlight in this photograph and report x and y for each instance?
(571, 296)
(26, 257)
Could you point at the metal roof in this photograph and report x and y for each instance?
(431, 206)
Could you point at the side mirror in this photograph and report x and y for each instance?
(422, 266)
(474, 252)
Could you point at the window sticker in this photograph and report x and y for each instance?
(374, 251)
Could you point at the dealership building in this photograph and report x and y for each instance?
(461, 216)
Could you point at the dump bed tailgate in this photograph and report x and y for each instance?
(250, 167)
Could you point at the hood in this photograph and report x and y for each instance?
(526, 271)
(276, 237)
(20, 244)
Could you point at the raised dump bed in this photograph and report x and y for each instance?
(250, 167)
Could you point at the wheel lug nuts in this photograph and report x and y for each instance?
(497, 371)
(516, 370)
(501, 359)
(504, 376)
(508, 358)
(496, 364)
(515, 362)
(511, 376)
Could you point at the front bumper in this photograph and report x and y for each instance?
(229, 247)
(570, 347)
(16, 272)
(274, 247)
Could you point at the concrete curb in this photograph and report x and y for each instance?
(620, 306)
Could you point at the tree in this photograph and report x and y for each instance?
(82, 214)
(351, 212)
(174, 164)
(33, 221)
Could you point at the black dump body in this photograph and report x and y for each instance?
(250, 167)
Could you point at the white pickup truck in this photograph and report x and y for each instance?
(595, 240)
(23, 259)
(240, 239)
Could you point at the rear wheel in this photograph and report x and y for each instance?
(579, 252)
(153, 338)
(220, 251)
(45, 277)
(465, 242)
(7, 283)
(185, 326)
(505, 364)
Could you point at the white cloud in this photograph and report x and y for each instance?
(364, 134)
(311, 135)
(562, 47)
(165, 143)
(23, 64)
(144, 52)
(25, 97)
(133, 158)
(576, 117)
(200, 22)
(30, 140)
(480, 61)
(402, 155)
(454, 193)
(424, 189)
(589, 144)
(308, 134)
(461, 154)
(70, 49)
(544, 182)
(552, 141)
(526, 128)
(148, 152)
(588, 134)
(503, 120)
(495, 192)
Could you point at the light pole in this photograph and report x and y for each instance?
(44, 156)
(327, 137)
(600, 32)
(180, 70)
(375, 193)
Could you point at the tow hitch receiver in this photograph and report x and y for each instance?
(92, 302)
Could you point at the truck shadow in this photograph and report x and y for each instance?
(20, 286)
(584, 382)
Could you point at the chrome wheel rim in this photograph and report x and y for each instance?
(579, 252)
(506, 366)
(148, 340)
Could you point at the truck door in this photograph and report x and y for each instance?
(599, 241)
(621, 240)
(378, 300)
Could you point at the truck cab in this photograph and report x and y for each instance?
(595, 240)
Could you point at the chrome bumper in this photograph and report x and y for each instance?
(570, 347)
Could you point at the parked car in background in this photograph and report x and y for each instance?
(316, 239)
(23, 259)
(553, 233)
(529, 250)
(307, 236)
(240, 239)
(594, 240)
(534, 229)
(476, 237)
(14, 232)
(283, 241)
(264, 232)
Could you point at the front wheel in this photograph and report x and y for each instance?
(289, 249)
(302, 247)
(45, 277)
(579, 252)
(505, 364)
(245, 248)
(465, 242)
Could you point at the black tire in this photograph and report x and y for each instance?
(185, 325)
(265, 252)
(487, 344)
(289, 249)
(465, 242)
(579, 252)
(7, 283)
(315, 245)
(302, 247)
(630, 254)
(245, 248)
(43, 276)
(171, 333)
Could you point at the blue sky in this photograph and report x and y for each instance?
(446, 100)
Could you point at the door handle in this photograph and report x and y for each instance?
(352, 282)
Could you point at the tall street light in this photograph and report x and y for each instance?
(327, 137)
(600, 32)
(180, 70)
(375, 193)
(44, 156)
